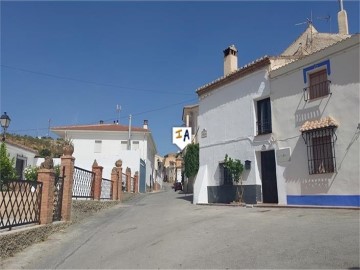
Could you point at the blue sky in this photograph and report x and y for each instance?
(73, 62)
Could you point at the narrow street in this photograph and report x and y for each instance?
(165, 231)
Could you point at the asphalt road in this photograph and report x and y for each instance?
(165, 231)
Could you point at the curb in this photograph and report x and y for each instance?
(281, 206)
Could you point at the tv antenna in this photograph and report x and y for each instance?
(327, 19)
(308, 22)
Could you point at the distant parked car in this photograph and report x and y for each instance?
(178, 186)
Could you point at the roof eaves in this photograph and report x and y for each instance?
(239, 73)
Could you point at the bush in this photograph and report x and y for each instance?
(7, 164)
(31, 173)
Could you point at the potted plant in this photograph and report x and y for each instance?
(68, 147)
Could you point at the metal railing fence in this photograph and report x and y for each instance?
(83, 184)
(106, 190)
(19, 203)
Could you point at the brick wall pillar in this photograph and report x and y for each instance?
(128, 179)
(97, 170)
(47, 178)
(136, 182)
(67, 171)
(114, 184)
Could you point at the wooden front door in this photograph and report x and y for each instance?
(268, 177)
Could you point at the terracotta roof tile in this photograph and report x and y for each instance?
(100, 127)
(317, 124)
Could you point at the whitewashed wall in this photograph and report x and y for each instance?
(290, 111)
(228, 116)
(84, 151)
(15, 151)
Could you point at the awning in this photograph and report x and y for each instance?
(318, 124)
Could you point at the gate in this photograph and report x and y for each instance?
(142, 184)
(58, 194)
(19, 203)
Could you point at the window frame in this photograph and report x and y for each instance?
(263, 127)
(321, 150)
(97, 146)
(317, 87)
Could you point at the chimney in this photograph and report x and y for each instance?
(342, 20)
(101, 122)
(230, 60)
(145, 126)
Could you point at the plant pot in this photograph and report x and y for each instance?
(68, 150)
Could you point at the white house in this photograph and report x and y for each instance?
(109, 142)
(315, 117)
(235, 118)
(24, 156)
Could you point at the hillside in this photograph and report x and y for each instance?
(45, 146)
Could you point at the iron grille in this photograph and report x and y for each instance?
(317, 90)
(19, 203)
(123, 182)
(106, 190)
(58, 194)
(264, 127)
(83, 184)
(321, 150)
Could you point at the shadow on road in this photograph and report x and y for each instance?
(187, 197)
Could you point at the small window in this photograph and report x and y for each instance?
(264, 116)
(319, 85)
(135, 145)
(124, 145)
(321, 150)
(97, 148)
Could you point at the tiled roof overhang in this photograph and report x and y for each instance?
(243, 71)
(319, 124)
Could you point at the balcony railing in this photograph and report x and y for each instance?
(263, 127)
(317, 90)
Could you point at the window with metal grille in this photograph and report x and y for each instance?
(321, 150)
(319, 85)
(264, 116)
(225, 176)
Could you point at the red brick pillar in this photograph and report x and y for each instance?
(114, 184)
(47, 178)
(136, 182)
(67, 171)
(118, 167)
(128, 179)
(97, 170)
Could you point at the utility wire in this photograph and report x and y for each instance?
(110, 119)
(92, 82)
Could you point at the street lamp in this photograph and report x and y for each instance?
(5, 122)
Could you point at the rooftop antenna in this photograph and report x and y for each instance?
(308, 22)
(118, 109)
(327, 19)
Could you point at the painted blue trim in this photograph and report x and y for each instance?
(328, 200)
(324, 63)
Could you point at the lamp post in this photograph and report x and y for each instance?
(5, 122)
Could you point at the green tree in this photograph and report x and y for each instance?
(45, 152)
(191, 160)
(235, 168)
(7, 170)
